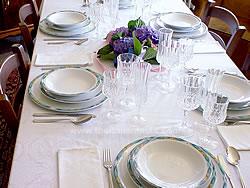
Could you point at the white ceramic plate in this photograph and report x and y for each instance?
(38, 98)
(69, 81)
(199, 32)
(44, 27)
(124, 178)
(180, 20)
(235, 88)
(77, 99)
(66, 18)
(151, 159)
(55, 27)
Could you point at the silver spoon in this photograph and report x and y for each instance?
(233, 158)
(76, 120)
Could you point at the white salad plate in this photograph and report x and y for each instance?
(124, 177)
(235, 88)
(38, 98)
(55, 27)
(194, 33)
(67, 18)
(44, 27)
(69, 81)
(150, 160)
(180, 20)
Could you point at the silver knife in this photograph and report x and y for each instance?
(46, 114)
(223, 165)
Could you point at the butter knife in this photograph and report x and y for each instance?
(223, 165)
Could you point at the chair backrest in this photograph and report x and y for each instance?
(230, 19)
(200, 7)
(29, 10)
(218, 39)
(11, 94)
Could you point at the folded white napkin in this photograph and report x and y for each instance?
(77, 58)
(236, 136)
(80, 167)
(208, 47)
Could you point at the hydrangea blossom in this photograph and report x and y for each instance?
(123, 45)
(145, 32)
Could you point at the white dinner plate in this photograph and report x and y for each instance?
(150, 160)
(55, 27)
(44, 27)
(180, 20)
(196, 33)
(69, 81)
(124, 178)
(235, 88)
(38, 98)
(67, 18)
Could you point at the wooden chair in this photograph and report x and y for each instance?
(218, 39)
(13, 78)
(200, 7)
(26, 11)
(230, 19)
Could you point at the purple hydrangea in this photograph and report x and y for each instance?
(144, 32)
(123, 30)
(123, 45)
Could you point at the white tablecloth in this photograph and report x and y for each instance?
(35, 158)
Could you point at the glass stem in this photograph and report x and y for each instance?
(185, 117)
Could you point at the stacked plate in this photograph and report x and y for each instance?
(66, 24)
(166, 162)
(184, 25)
(237, 89)
(67, 90)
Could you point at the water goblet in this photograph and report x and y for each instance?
(141, 71)
(96, 11)
(125, 73)
(189, 97)
(111, 90)
(213, 79)
(214, 113)
(112, 7)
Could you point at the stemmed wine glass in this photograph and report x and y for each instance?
(111, 90)
(126, 76)
(189, 97)
(141, 72)
(96, 11)
(112, 8)
(214, 113)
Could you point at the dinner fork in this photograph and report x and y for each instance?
(107, 163)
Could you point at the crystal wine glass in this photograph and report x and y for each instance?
(189, 97)
(141, 72)
(125, 73)
(111, 90)
(112, 8)
(96, 11)
(214, 113)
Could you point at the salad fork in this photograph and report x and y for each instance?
(107, 163)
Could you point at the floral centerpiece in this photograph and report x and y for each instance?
(137, 38)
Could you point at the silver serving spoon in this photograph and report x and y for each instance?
(233, 158)
(76, 120)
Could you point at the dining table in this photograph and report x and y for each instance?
(35, 160)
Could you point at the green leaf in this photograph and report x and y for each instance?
(150, 54)
(152, 61)
(105, 50)
(132, 24)
(117, 36)
(110, 56)
(137, 45)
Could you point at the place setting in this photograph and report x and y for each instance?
(80, 92)
(184, 25)
(67, 23)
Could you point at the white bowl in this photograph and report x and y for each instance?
(66, 18)
(69, 81)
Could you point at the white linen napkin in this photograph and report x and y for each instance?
(208, 47)
(236, 136)
(71, 59)
(80, 167)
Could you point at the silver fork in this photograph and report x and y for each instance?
(107, 163)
